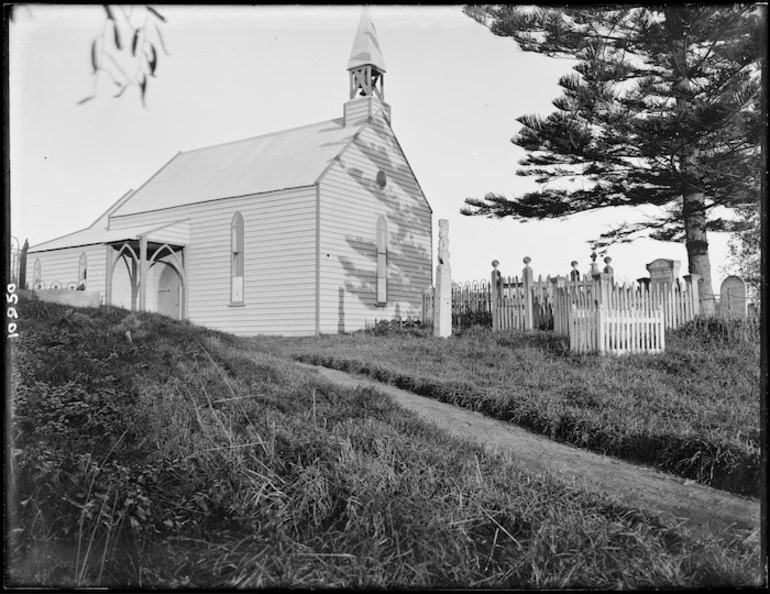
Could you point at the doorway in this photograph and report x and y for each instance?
(170, 293)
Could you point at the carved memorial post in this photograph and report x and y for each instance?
(442, 305)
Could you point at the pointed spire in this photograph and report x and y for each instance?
(366, 47)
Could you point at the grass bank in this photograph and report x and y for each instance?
(692, 411)
(152, 453)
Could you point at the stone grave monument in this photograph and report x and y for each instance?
(732, 299)
(663, 271)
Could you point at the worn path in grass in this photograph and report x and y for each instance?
(701, 509)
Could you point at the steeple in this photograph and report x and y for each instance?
(366, 68)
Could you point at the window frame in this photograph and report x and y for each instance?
(83, 271)
(381, 255)
(237, 263)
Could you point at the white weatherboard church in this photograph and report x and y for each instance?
(317, 229)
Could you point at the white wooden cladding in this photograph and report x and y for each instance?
(62, 267)
(616, 331)
(351, 203)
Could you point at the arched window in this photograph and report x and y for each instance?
(382, 261)
(236, 259)
(37, 273)
(82, 272)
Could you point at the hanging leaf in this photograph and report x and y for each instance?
(94, 62)
(160, 38)
(117, 35)
(85, 100)
(156, 13)
(109, 13)
(119, 93)
(134, 42)
(143, 87)
(153, 60)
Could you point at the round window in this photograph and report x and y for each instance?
(382, 179)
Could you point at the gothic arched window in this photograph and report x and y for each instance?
(236, 259)
(82, 272)
(382, 261)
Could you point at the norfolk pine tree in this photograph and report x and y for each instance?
(663, 109)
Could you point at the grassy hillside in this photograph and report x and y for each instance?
(153, 453)
(693, 410)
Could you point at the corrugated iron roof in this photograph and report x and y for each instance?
(366, 46)
(287, 159)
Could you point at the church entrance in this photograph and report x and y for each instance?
(169, 293)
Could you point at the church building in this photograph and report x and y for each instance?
(318, 229)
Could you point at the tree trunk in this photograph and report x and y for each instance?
(698, 262)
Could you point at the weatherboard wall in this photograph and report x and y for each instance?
(63, 265)
(351, 201)
(279, 261)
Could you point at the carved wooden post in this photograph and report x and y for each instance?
(442, 303)
(594, 266)
(527, 279)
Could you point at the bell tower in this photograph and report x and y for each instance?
(366, 68)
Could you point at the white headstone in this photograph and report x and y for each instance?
(732, 300)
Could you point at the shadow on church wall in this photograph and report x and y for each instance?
(409, 262)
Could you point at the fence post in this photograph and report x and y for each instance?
(574, 274)
(608, 269)
(495, 296)
(601, 287)
(694, 281)
(527, 279)
(600, 327)
(661, 329)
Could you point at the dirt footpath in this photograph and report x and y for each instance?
(675, 500)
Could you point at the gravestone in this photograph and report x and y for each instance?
(663, 271)
(732, 300)
(442, 306)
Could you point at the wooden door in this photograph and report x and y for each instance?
(169, 293)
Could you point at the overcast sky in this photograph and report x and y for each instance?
(455, 91)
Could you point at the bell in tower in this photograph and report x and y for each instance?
(366, 65)
(366, 68)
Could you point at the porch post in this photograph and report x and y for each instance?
(142, 272)
(110, 262)
(182, 258)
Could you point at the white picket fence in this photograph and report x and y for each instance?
(628, 330)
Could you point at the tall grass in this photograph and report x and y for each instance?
(693, 410)
(182, 458)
